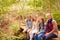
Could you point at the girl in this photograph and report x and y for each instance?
(34, 27)
(41, 29)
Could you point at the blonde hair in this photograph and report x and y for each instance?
(49, 14)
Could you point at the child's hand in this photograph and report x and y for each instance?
(24, 30)
(29, 30)
(38, 33)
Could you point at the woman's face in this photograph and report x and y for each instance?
(48, 16)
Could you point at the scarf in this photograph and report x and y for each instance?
(49, 26)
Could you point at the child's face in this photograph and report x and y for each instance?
(40, 20)
(35, 18)
(29, 18)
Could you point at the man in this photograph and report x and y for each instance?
(51, 27)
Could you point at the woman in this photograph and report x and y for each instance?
(51, 27)
(41, 29)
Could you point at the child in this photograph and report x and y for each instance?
(41, 29)
(34, 27)
(28, 24)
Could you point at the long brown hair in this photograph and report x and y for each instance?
(41, 19)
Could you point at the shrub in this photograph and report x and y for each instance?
(56, 16)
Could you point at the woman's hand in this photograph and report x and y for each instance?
(46, 34)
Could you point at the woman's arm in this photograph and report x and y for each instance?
(54, 26)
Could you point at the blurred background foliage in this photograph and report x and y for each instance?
(13, 13)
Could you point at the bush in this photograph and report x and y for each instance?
(56, 16)
(11, 37)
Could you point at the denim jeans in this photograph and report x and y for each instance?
(50, 36)
(39, 36)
